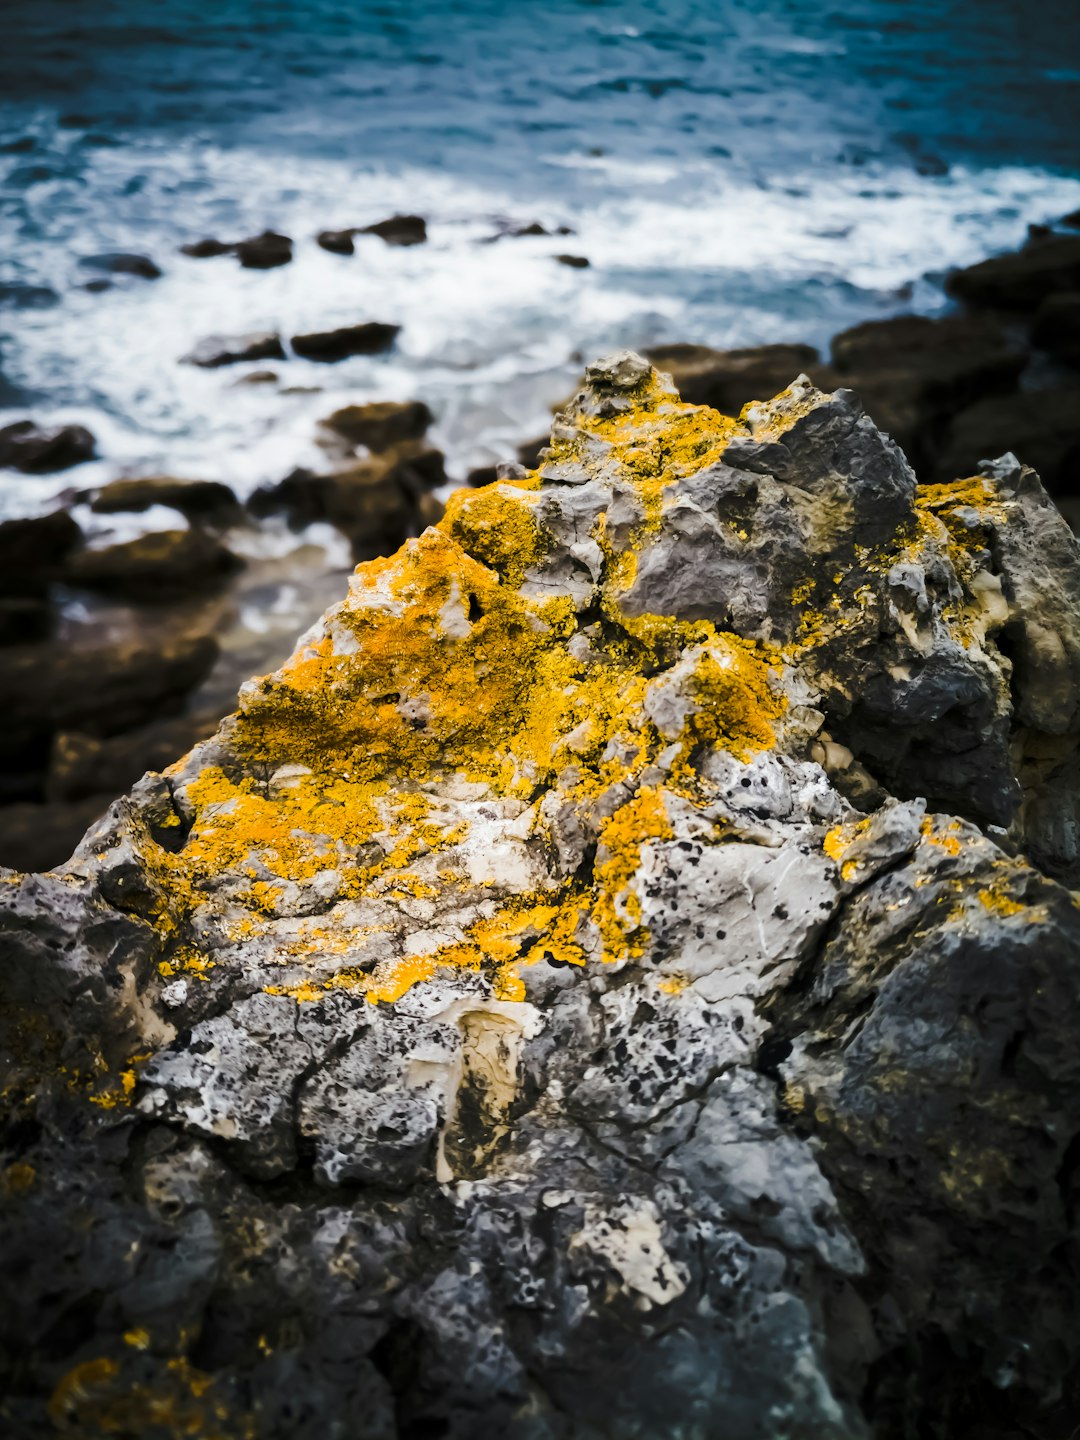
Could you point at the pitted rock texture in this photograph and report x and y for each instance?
(617, 980)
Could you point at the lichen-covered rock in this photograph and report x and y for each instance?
(614, 981)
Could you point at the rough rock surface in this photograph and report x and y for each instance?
(614, 981)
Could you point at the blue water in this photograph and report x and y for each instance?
(735, 173)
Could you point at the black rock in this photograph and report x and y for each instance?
(1042, 427)
(37, 450)
(160, 567)
(1019, 281)
(33, 551)
(217, 350)
(575, 262)
(265, 251)
(206, 249)
(398, 230)
(120, 263)
(1056, 327)
(338, 242)
(369, 338)
(207, 500)
(25, 618)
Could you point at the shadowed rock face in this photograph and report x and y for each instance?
(614, 981)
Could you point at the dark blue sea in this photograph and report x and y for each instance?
(734, 172)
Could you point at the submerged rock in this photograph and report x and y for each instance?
(37, 450)
(610, 982)
(398, 230)
(116, 262)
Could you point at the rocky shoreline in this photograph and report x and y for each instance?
(1000, 374)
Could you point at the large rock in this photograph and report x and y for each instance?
(381, 424)
(159, 567)
(398, 230)
(607, 983)
(1021, 279)
(117, 262)
(264, 252)
(33, 551)
(199, 500)
(38, 449)
(1042, 426)
(1056, 327)
(368, 338)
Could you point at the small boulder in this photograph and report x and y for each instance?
(265, 251)
(33, 551)
(217, 350)
(205, 500)
(206, 249)
(381, 424)
(398, 230)
(162, 566)
(37, 449)
(575, 262)
(1057, 327)
(338, 242)
(370, 338)
(1023, 278)
(119, 263)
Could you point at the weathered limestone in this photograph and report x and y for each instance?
(616, 979)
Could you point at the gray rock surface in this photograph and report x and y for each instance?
(617, 980)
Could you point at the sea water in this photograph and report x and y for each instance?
(735, 173)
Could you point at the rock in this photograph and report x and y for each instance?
(159, 567)
(33, 551)
(398, 230)
(376, 504)
(575, 262)
(1041, 426)
(382, 423)
(529, 452)
(729, 379)
(88, 765)
(1023, 278)
(115, 262)
(218, 350)
(369, 338)
(508, 1024)
(338, 242)
(914, 373)
(206, 249)
(98, 690)
(1072, 220)
(16, 295)
(25, 618)
(264, 252)
(43, 836)
(37, 450)
(199, 500)
(1056, 327)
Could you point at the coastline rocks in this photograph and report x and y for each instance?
(206, 249)
(44, 835)
(398, 230)
(119, 263)
(33, 552)
(574, 262)
(338, 242)
(264, 252)
(381, 424)
(1042, 426)
(201, 501)
(607, 983)
(157, 568)
(1056, 327)
(1021, 279)
(218, 350)
(37, 450)
(369, 338)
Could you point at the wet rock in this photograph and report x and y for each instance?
(369, 338)
(529, 452)
(575, 262)
(382, 423)
(199, 500)
(338, 242)
(1056, 327)
(398, 230)
(729, 379)
(206, 249)
(264, 252)
(44, 836)
(1042, 427)
(37, 449)
(18, 296)
(1022, 279)
(115, 262)
(218, 350)
(25, 618)
(159, 567)
(33, 552)
(610, 981)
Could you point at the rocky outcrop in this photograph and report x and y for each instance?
(207, 501)
(614, 980)
(38, 450)
(160, 566)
